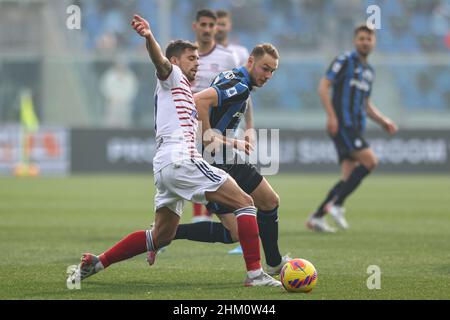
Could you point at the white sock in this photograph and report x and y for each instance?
(254, 273)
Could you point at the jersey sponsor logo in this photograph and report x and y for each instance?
(361, 85)
(368, 75)
(229, 75)
(231, 92)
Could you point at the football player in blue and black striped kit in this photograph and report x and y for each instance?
(221, 107)
(351, 78)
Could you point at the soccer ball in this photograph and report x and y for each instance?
(298, 275)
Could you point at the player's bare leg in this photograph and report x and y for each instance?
(230, 195)
(367, 158)
(265, 197)
(230, 223)
(162, 233)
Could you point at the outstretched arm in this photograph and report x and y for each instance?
(162, 64)
(376, 115)
(204, 100)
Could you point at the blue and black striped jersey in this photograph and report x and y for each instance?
(352, 85)
(233, 89)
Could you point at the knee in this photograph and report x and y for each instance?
(245, 201)
(372, 163)
(270, 202)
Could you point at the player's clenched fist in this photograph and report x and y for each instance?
(332, 125)
(140, 25)
(242, 145)
(390, 126)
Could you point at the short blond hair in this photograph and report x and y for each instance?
(263, 48)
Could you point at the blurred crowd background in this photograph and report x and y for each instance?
(76, 76)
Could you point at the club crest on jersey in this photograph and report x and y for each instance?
(231, 92)
(336, 67)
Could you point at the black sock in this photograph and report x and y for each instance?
(268, 232)
(359, 173)
(206, 231)
(333, 191)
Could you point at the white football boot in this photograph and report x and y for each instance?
(337, 213)
(319, 224)
(263, 279)
(273, 271)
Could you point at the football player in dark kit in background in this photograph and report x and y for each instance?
(351, 78)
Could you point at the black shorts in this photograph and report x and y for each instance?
(246, 176)
(347, 141)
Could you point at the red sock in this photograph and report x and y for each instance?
(197, 209)
(130, 246)
(249, 237)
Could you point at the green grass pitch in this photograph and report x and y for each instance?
(400, 223)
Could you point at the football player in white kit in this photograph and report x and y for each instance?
(214, 58)
(224, 27)
(179, 170)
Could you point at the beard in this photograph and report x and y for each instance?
(363, 52)
(190, 77)
(220, 36)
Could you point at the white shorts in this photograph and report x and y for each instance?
(186, 180)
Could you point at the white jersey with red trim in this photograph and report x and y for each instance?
(241, 52)
(219, 59)
(176, 120)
